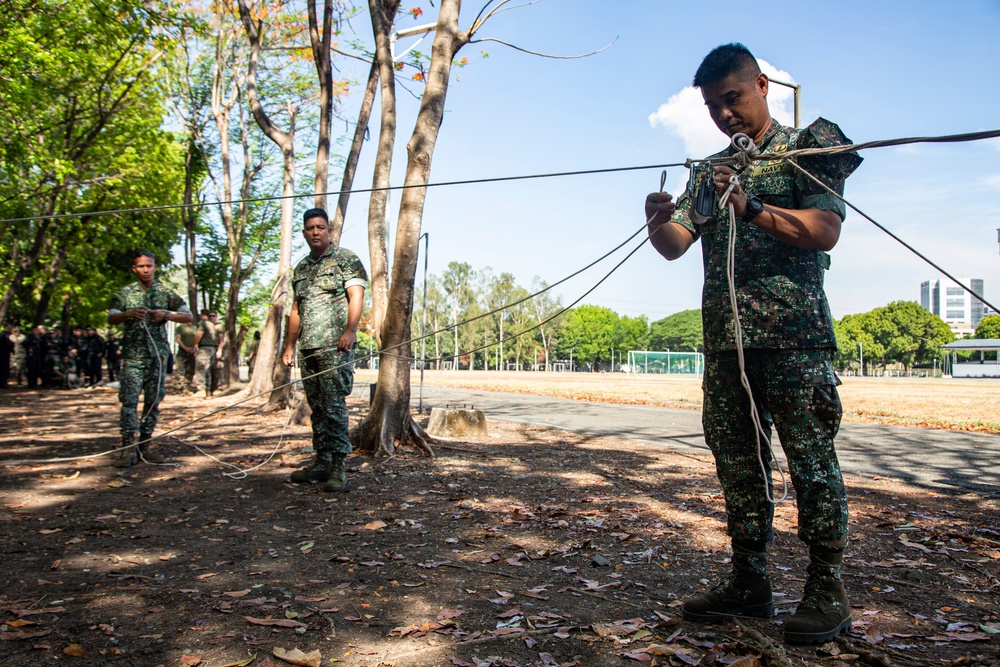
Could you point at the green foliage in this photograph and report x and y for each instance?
(82, 133)
(588, 333)
(631, 333)
(902, 332)
(592, 333)
(678, 332)
(989, 327)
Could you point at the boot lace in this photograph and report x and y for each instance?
(816, 596)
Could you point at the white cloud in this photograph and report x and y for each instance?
(684, 114)
(992, 181)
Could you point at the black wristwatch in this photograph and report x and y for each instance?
(754, 208)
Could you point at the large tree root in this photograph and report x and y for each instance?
(372, 436)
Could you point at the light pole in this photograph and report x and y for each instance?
(861, 361)
(423, 326)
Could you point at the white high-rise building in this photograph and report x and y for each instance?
(961, 311)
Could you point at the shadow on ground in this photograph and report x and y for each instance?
(526, 547)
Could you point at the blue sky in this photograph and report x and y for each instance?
(879, 70)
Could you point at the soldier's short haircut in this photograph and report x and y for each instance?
(143, 253)
(314, 213)
(724, 60)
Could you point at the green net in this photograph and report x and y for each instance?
(642, 362)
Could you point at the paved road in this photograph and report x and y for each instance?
(925, 457)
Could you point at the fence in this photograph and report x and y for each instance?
(644, 362)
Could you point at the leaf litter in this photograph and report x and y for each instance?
(529, 548)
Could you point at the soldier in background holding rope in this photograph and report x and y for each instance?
(143, 307)
(774, 368)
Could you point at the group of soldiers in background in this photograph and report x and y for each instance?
(46, 358)
(199, 351)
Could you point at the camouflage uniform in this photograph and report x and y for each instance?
(186, 362)
(145, 349)
(788, 340)
(18, 358)
(320, 285)
(205, 359)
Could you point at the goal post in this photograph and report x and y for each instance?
(645, 362)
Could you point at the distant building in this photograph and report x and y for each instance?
(961, 311)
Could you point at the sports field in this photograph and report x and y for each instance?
(972, 405)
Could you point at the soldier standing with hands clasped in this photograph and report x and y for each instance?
(144, 307)
(329, 289)
(785, 223)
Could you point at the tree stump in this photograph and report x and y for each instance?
(456, 422)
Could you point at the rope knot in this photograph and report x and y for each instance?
(746, 149)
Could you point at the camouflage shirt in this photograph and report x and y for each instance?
(320, 285)
(135, 342)
(779, 288)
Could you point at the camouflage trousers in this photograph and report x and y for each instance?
(795, 391)
(327, 394)
(184, 370)
(145, 376)
(18, 368)
(204, 362)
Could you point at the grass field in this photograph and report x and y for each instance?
(972, 405)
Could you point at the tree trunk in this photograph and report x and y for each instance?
(382, 13)
(323, 59)
(281, 373)
(190, 217)
(29, 258)
(45, 295)
(351, 166)
(389, 421)
(269, 372)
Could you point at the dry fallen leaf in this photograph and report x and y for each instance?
(75, 650)
(243, 663)
(191, 660)
(280, 622)
(297, 657)
(22, 634)
(660, 649)
(236, 594)
(35, 612)
(747, 661)
(375, 525)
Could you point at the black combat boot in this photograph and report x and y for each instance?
(146, 452)
(745, 592)
(317, 471)
(129, 455)
(338, 474)
(824, 611)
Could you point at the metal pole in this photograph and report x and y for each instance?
(423, 327)
(796, 94)
(861, 361)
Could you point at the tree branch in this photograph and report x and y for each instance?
(544, 55)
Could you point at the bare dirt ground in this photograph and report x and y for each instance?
(526, 547)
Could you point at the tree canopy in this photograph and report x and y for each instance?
(83, 133)
(680, 331)
(989, 327)
(902, 332)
